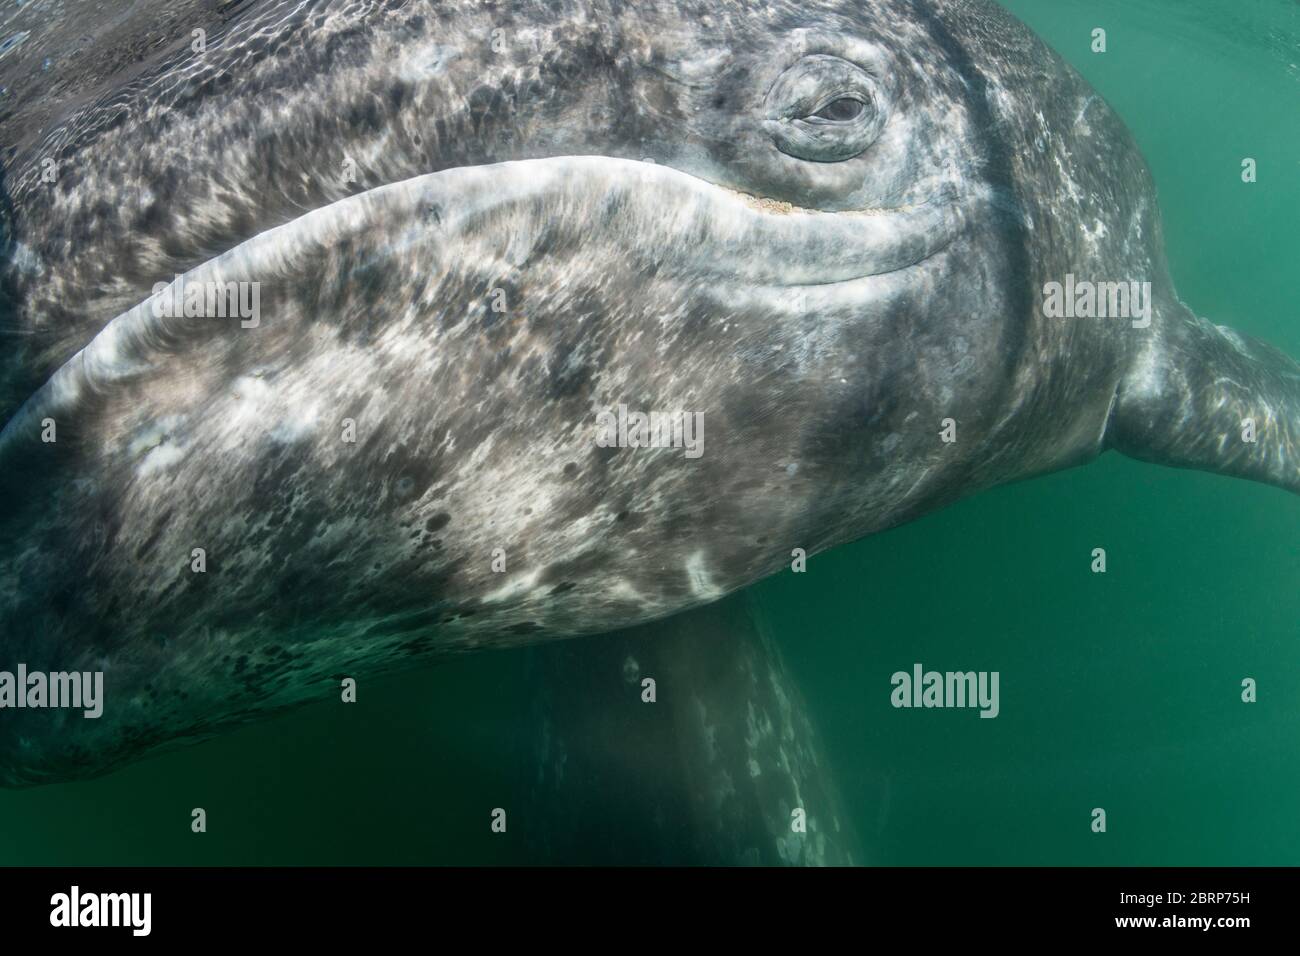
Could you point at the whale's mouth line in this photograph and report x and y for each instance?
(832, 247)
(930, 255)
(782, 207)
(571, 217)
(926, 229)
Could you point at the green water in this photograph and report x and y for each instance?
(1119, 691)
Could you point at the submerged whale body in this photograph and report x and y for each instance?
(822, 230)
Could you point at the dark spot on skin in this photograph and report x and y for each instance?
(148, 544)
(417, 646)
(419, 621)
(365, 115)
(62, 600)
(570, 470)
(405, 485)
(630, 519)
(484, 101)
(562, 588)
(440, 520)
(573, 377)
(398, 93)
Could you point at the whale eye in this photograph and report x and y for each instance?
(825, 109)
(843, 110)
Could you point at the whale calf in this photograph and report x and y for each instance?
(435, 246)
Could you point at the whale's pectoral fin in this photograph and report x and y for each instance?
(684, 741)
(1203, 396)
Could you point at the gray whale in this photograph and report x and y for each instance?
(464, 255)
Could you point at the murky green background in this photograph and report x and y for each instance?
(1119, 691)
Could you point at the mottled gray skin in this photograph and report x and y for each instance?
(711, 772)
(825, 312)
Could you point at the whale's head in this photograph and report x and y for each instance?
(425, 250)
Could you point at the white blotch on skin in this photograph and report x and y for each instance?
(516, 588)
(701, 584)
